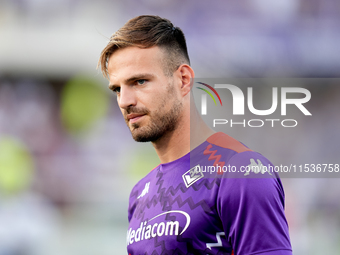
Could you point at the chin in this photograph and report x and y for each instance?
(145, 135)
(141, 138)
(138, 135)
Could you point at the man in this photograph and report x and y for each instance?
(175, 209)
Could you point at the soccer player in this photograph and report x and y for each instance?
(176, 208)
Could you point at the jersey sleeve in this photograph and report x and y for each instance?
(251, 208)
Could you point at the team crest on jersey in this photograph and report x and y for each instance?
(192, 176)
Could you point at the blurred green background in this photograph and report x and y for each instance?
(67, 159)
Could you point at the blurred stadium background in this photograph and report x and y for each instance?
(67, 162)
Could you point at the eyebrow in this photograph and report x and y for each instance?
(134, 78)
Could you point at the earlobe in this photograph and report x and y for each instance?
(186, 75)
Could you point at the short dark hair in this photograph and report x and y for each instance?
(147, 31)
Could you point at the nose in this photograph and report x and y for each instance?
(126, 97)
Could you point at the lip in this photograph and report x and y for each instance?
(133, 117)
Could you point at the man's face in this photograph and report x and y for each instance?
(149, 100)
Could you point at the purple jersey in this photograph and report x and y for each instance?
(188, 207)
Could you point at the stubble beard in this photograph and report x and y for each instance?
(160, 123)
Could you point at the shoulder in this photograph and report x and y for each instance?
(224, 146)
(225, 141)
(240, 166)
(250, 176)
(232, 153)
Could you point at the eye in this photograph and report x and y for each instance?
(116, 90)
(141, 82)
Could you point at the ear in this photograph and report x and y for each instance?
(186, 76)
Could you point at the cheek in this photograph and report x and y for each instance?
(121, 110)
(164, 104)
(157, 99)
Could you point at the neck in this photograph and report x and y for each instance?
(183, 139)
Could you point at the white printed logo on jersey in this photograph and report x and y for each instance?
(192, 176)
(219, 241)
(145, 190)
(256, 168)
(147, 231)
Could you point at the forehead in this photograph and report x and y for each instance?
(129, 61)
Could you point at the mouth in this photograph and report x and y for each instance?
(132, 118)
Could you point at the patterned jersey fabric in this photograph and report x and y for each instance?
(210, 201)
